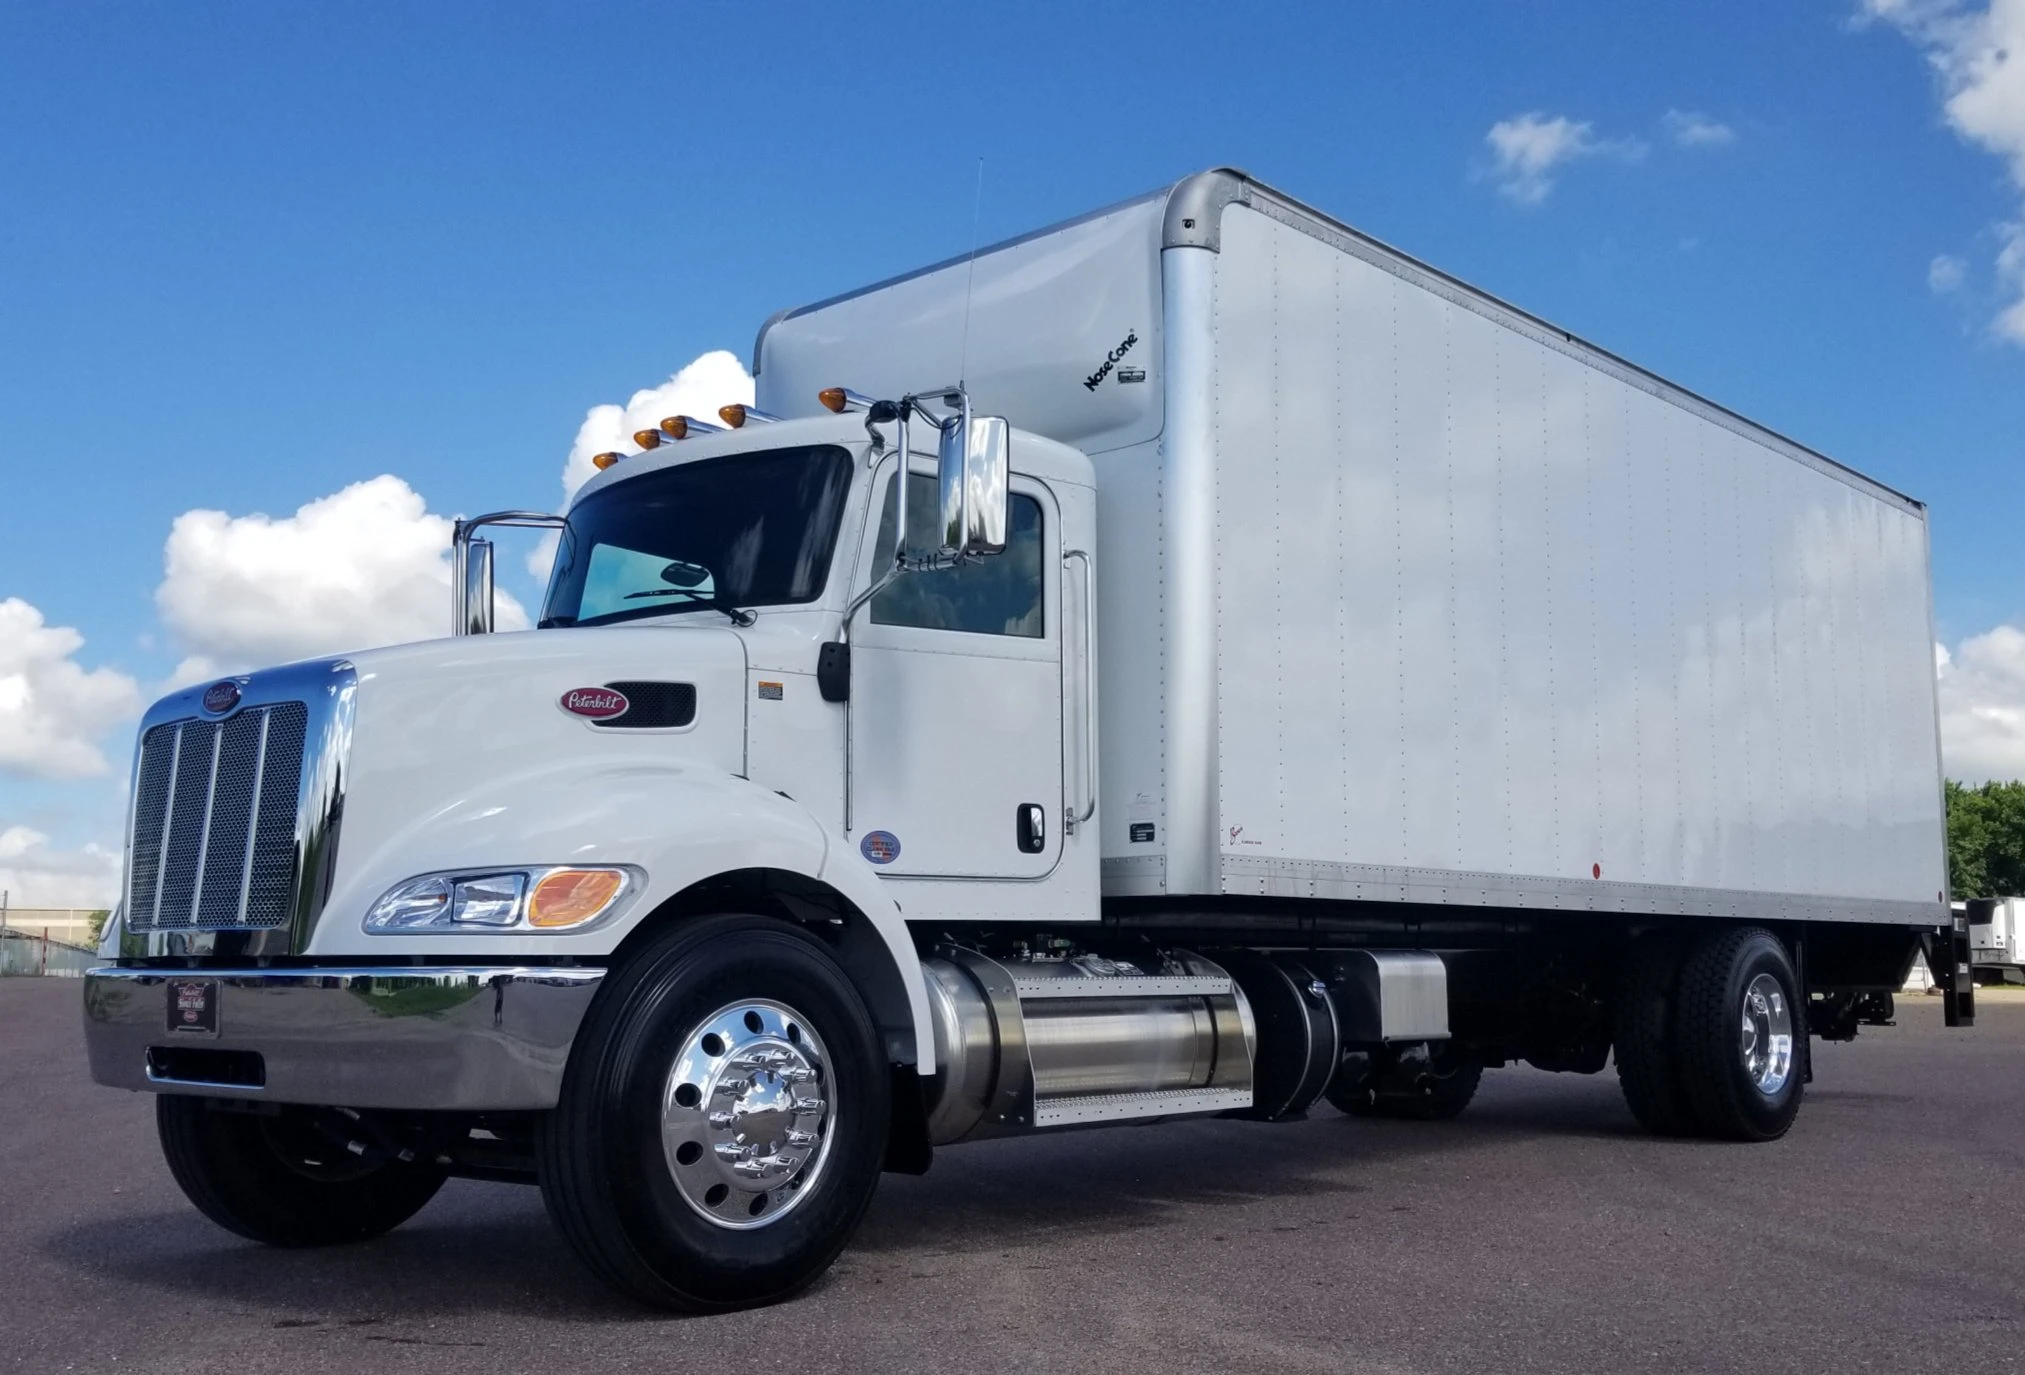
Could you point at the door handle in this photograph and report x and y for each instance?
(1030, 831)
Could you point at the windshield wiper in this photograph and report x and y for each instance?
(701, 601)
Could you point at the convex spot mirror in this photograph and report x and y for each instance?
(973, 472)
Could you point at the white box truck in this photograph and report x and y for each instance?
(1286, 675)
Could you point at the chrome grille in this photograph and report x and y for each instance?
(213, 846)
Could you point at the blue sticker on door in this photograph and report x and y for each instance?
(880, 847)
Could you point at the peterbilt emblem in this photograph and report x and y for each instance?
(221, 697)
(599, 704)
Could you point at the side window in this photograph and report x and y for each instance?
(1000, 595)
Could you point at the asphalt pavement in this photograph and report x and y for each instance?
(1541, 1231)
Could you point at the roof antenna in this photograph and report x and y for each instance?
(970, 276)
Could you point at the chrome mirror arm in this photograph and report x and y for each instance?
(471, 577)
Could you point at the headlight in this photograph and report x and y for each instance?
(542, 899)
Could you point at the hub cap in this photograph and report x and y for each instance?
(1767, 1040)
(748, 1113)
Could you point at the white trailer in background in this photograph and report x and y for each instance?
(1996, 938)
(1287, 674)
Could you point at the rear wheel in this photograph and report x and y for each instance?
(723, 1119)
(1739, 1033)
(286, 1178)
(1642, 1035)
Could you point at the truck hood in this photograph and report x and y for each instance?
(438, 724)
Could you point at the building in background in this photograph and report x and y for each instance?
(71, 925)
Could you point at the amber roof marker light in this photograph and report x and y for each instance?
(603, 461)
(683, 426)
(736, 416)
(842, 399)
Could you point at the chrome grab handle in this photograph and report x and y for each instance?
(471, 578)
(1087, 807)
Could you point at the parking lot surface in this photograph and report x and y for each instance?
(1541, 1231)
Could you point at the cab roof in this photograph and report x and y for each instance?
(1032, 455)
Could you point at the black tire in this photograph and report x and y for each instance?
(273, 1178)
(605, 1175)
(1642, 1035)
(1443, 1094)
(1708, 1013)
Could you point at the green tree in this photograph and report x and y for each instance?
(1986, 839)
(98, 921)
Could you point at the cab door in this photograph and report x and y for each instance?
(956, 700)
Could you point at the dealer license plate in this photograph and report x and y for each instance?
(193, 1007)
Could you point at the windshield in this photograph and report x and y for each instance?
(743, 531)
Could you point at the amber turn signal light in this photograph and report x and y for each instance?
(833, 398)
(571, 897)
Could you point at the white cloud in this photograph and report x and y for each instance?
(1978, 52)
(2010, 322)
(34, 875)
(1982, 692)
(53, 712)
(1944, 274)
(1529, 149)
(713, 380)
(362, 567)
(1693, 129)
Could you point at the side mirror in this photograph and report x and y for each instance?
(476, 616)
(973, 472)
(471, 566)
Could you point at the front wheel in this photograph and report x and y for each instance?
(287, 1178)
(723, 1118)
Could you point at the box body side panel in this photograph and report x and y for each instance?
(1496, 626)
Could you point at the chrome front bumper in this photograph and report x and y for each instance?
(483, 1038)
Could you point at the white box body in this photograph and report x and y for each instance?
(1407, 596)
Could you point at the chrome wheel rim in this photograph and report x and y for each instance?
(1767, 1035)
(748, 1113)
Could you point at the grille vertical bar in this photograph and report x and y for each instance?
(213, 843)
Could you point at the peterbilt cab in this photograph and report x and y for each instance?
(406, 912)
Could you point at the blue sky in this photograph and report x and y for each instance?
(252, 255)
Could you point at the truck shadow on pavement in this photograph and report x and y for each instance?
(490, 1248)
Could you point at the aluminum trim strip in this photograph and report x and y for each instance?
(1120, 1107)
(1122, 986)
